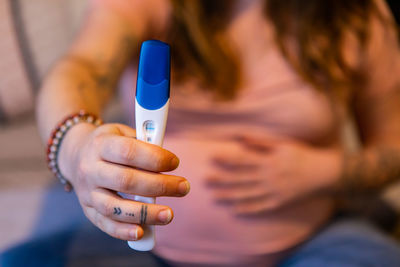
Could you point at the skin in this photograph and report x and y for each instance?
(101, 161)
(270, 174)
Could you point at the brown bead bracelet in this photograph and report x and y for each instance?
(56, 137)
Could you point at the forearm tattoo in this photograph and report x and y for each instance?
(370, 171)
(106, 74)
(106, 79)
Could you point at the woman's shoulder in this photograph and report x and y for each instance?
(382, 56)
(152, 13)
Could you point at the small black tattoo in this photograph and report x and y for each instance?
(130, 214)
(117, 210)
(143, 214)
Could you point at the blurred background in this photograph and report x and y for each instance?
(33, 35)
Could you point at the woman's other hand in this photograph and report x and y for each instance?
(269, 174)
(99, 162)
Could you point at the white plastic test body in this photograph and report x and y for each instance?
(150, 127)
(151, 112)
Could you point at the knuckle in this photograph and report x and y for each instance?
(112, 230)
(94, 199)
(98, 221)
(98, 140)
(106, 208)
(160, 160)
(161, 188)
(91, 199)
(127, 151)
(124, 181)
(159, 163)
(85, 200)
(82, 172)
(101, 173)
(103, 129)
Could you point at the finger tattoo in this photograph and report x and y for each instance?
(117, 210)
(143, 214)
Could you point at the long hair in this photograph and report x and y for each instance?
(310, 35)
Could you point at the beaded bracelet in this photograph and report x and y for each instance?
(58, 134)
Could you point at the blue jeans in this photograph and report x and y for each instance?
(345, 242)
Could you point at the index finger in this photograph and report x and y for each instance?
(132, 152)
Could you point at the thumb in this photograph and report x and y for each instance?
(116, 128)
(125, 130)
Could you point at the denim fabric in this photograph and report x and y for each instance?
(345, 242)
(80, 246)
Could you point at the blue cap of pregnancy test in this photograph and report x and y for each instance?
(153, 80)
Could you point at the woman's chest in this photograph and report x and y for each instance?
(280, 105)
(272, 95)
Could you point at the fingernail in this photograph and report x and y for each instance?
(133, 233)
(136, 233)
(184, 187)
(165, 216)
(174, 162)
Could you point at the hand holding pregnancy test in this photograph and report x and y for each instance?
(151, 111)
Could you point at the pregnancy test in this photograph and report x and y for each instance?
(151, 112)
